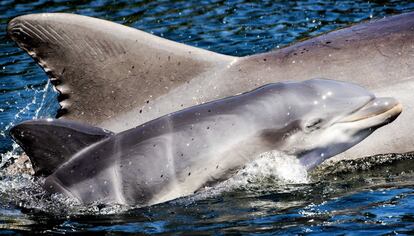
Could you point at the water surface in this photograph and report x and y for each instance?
(371, 196)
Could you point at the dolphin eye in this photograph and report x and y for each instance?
(313, 125)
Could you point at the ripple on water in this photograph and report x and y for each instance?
(248, 202)
(371, 196)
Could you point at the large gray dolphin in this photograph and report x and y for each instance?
(117, 77)
(177, 154)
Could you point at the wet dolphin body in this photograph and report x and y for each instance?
(117, 77)
(177, 154)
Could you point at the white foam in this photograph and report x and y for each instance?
(9, 156)
(274, 166)
(271, 169)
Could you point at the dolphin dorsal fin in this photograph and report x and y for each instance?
(103, 69)
(50, 143)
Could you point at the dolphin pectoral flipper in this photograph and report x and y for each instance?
(103, 69)
(49, 144)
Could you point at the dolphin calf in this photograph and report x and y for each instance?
(179, 153)
(116, 77)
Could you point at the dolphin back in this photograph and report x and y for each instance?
(99, 67)
(50, 143)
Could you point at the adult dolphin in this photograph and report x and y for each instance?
(117, 77)
(177, 154)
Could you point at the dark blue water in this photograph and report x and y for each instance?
(378, 199)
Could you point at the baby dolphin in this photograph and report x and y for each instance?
(179, 153)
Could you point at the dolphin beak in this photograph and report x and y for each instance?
(384, 110)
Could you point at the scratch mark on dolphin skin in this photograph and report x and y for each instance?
(47, 34)
(25, 28)
(103, 48)
(98, 47)
(376, 46)
(71, 42)
(29, 32)
(109, 48)
(54, 32)
(42, 37)
(66, 39)
(92, 53)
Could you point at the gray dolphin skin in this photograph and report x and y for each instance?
(116, 77)
(179, 153)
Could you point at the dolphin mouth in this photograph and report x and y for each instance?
(384, 110)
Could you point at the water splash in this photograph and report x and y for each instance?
(273, 173)
(8, 157)
(274, 166)
(272, 170)
(40, 105)
(44, 99)
(26, 192)
(34, 103)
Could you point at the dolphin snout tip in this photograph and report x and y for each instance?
(389, 104)
(396, 110)
(383, 109)
(388, 108)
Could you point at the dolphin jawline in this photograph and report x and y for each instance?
(373, 110)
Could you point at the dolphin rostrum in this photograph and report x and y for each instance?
(179, 153)
(117, 77)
